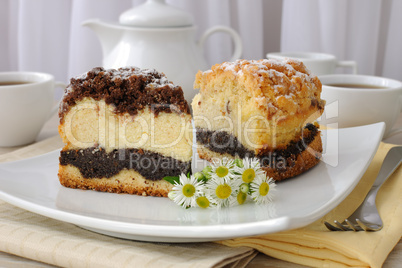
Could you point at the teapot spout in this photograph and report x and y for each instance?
(109, 34)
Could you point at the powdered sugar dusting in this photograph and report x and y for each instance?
(122, 86)
(271, 67)
(272, 83)
(155, 78)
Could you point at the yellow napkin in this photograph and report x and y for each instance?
(315, 246)
(58, 243)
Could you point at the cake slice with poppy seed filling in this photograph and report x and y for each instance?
(124, 130)
(260, 108)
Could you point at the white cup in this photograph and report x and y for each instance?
(26, 103)
(380, 100)
(317, 63)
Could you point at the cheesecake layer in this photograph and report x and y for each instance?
(97, 163)
(92, 123)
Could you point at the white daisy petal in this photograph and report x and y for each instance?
(222, 168)
(186, 191)
(223, 192)
(262, 189)
(249, 171)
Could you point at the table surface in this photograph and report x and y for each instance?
(50, 129)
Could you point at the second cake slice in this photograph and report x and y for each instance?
(264, 109)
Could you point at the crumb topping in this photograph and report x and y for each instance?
(128, 89)
(273, 84)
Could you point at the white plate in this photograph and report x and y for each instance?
(32, 184)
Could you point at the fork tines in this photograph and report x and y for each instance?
(349, 226)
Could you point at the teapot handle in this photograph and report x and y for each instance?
(238, 47)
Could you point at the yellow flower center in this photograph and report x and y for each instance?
(188, 190)
(202, 202)
(248, 175)
(264, 189)
(241, 198)
(222, 171)
(223, 191)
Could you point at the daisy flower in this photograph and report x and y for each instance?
(261, 189)
(222, 168)
(186, 191)
(249, 170)
(223, 192)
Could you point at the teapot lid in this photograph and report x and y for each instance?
(155, 13)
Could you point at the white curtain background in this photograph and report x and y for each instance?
(47, 36)
(366, 31)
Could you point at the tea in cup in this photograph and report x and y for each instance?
(26, 103)
(356, 100)
(317, 63)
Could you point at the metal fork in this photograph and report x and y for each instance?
(366, 217)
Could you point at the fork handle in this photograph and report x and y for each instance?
(390, 164)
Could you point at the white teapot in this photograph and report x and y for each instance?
(156, 35)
